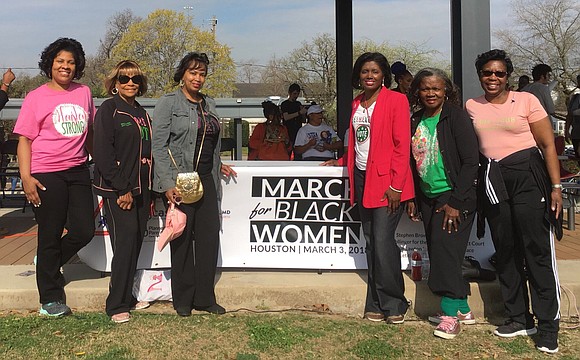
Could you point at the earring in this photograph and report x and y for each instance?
(383, 82)
(115, 91)
(181, 83)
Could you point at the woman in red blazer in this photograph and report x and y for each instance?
(378, 168)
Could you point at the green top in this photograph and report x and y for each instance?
(425, 149)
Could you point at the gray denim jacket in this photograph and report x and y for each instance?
(174, 126)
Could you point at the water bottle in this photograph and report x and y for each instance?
(416, 265)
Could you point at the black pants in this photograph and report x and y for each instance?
(194, 254)
(68, 199)
(385, 285)
(446, 251)
(522, 237)
(126, 229)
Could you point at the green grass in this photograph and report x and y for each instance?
(269, 333)
(245, 336)
(517, 346)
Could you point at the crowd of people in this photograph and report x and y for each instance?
(414, 149)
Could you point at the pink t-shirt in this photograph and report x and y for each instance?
(504, 129)
(57, 123)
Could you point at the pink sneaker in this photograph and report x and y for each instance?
(466, 319)
(448, 328)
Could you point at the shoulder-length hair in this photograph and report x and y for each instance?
(380, 59)
(123, 68)
(52, 50)
(193, 59)
(451, 90)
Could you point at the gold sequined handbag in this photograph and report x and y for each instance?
(188, 184)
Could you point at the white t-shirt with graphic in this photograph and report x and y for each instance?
(361, 124)
(57, 123)
(322, 134)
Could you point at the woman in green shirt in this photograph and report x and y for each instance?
(445, 157)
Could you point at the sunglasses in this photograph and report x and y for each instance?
(137, 79)
(498, 74)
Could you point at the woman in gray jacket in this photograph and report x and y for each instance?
(186, 128)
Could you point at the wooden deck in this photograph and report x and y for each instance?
(19, 246)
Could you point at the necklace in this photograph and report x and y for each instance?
(365, 104)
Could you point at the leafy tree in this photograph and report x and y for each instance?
(24, 83)
(545, 31)
(158, 42)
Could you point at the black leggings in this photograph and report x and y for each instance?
(68, 199)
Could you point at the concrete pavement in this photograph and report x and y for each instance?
(340, 292)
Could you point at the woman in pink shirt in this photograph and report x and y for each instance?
(55, 128)
(522, 199)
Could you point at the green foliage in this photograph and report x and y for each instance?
(24, 83)
(229, 131)
(158, 42)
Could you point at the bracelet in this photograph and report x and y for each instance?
(395, 190)
(7, 85)
(557, 186)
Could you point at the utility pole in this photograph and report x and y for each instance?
(188, 9)
(214, 22)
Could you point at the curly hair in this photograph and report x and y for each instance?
(52, 50)
(194, 58)
(491, 55)
(451, 90)
(123, 68)
(378, 58)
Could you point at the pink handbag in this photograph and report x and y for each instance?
(175, 220)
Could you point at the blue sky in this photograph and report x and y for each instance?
(254, 29)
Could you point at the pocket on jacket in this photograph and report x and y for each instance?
(180, 122)
(383, 169)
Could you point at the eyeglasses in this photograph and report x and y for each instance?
(498, 74)
(137, 79)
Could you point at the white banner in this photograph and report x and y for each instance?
(282, 215)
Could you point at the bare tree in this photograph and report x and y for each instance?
(415, 56)
(117, 26)
(249, 71)
(96, 66)
(313, 66)
(545, 31)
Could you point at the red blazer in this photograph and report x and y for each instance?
(389, 152)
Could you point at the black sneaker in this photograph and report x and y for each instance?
(547, 342)
(513, 328)
(54, 309)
